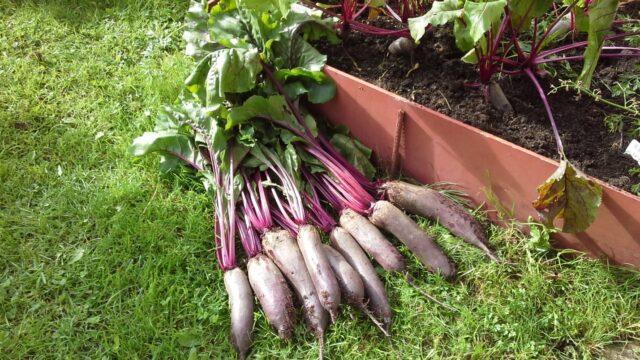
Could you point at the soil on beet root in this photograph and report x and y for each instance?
(438, 79)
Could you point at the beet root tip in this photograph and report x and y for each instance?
(241, 304)
(423, 201)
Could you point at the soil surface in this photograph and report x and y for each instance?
(436, 78)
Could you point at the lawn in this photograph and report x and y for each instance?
(101, 257)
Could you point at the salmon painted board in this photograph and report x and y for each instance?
(436, 148)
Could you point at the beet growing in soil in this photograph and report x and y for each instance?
(439, 80)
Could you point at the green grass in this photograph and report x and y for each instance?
(100, 257)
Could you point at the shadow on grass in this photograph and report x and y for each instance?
(79, 12)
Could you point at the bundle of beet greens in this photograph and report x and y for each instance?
(278, 183)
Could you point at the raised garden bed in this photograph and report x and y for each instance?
(436, 147)
(436, 78)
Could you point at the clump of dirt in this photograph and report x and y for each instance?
(438, 79)
(623, 351)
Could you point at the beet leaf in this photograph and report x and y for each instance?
(601, 16)
(441, 12)
(356, 153)
(570, 195)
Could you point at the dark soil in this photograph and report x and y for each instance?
(439, 83)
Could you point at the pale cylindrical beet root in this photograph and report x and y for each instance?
(348, 278)
(241, 304)
(498, 98)
(560, 28)
(388, 217)
(322, 275)
(351, 284)
(401, 46)
(422, 201)
(372, 240)
(274, 295)
(352, 252)
(283, 250)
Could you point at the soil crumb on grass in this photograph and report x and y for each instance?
(624, 351)
(438, 79)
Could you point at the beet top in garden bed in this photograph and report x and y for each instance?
(437, 78)
(435, 148)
